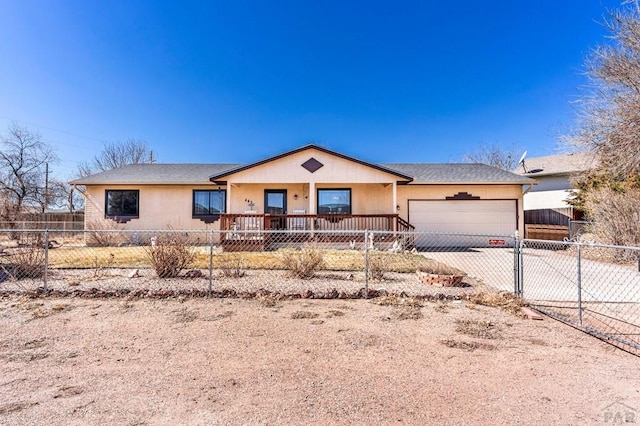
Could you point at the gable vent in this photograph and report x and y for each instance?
(312, 165)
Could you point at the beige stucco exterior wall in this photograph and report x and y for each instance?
(440, 192)
(160, 206)
(170, 205)
(365, 198)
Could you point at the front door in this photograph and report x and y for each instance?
(275, 202)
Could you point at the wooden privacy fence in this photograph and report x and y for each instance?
(52, 221)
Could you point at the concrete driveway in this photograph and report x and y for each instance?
(553, 275)
(493, 266)
(548, 275)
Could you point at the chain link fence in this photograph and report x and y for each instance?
(593, 287)
(328, 264)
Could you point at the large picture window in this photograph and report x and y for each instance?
(209, 203)
(122, 203)
(334, 201)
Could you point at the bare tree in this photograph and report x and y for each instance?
(118, 154)
(609, 126)
(610, 109)
(23, 159)
(494, 155)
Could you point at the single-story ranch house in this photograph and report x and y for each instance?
(310, 188)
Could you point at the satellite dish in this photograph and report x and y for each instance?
(521, 161)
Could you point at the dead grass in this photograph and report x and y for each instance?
(15, 406)
(477, 329)
(59, 307)
(136, 257)
(441, 308)
(185, 315)
(304, 315)
(397, 301)
(467, 346)
(268, 301)
(407, 313)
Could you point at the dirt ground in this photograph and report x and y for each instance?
(79, 361)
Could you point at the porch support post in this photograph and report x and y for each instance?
(312, 204)
(394, 197)
(312, 197)
(228, 197)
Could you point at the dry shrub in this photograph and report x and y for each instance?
(169, 254)
(378, 265)
(616, 221)
(234, 266)
(439, 268)
(104, 233)
(100, 268)
(25, 262)
(303, 263)
(498, 299)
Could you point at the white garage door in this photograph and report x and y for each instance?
(492, 218)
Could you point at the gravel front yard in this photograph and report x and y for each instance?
(262, 361)
(274, 281)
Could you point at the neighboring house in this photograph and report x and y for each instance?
(309, 188)
(547, 212)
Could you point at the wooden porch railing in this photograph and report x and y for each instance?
(320, 222)
(404, 226)
(247, 231)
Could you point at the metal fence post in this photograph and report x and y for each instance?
(46, 258)
(210, 263)
(579, 278)
(516, 264)
(366, 264)
(521, 268)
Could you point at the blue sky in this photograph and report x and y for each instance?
(236, 81)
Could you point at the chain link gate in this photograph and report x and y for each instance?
(593, 287)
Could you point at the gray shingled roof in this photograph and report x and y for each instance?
(156, 173)
(561, 164)
(457, 173)
(200, 173)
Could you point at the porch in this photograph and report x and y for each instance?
(257, 232)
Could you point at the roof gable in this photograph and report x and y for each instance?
(298, 154)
